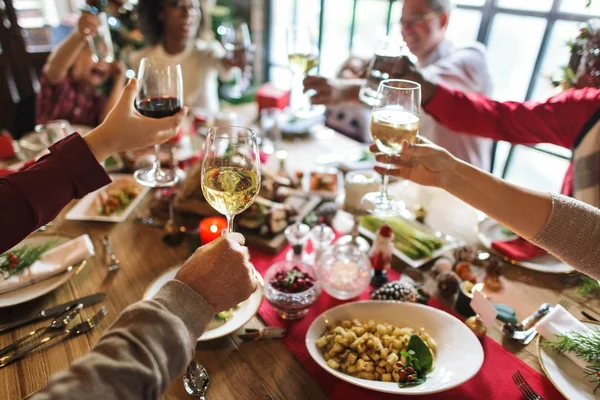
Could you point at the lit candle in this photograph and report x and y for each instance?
(211, 228)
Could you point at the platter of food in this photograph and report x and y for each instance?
(414, 243)
(112, 203)
(223, 323)
(394, 347)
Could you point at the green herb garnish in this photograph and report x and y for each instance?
(419, 359)
(588, 286)
(507, 232)
(14, 261)
(586, 347)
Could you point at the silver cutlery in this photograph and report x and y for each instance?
(525, 332)
(57, 323)
(525, 388)
(196, 380)
(173, 236)
(113, 262)
(263, 333)
(567, 304)
(53, 311)
(61, 334)
(589, 316)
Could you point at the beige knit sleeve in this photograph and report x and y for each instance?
(572, 234)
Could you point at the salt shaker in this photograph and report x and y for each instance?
(297, 235)
(321, 237)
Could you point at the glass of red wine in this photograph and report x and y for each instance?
(160, 95)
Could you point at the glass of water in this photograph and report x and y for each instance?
(101, 44)
(387, 50)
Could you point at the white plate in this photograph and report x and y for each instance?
(459, 353)
(83, 210)
(449, 244)
(39, 289)
(565, 375)
(245, 311)
(490, 230)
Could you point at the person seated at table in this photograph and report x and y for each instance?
(567, 228)
(35, 196)
(71, 80)
(171, 28)
(424, 24)
(570, 119)
(152, 341)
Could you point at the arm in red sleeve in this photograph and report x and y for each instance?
(31, 198)
(557, 120)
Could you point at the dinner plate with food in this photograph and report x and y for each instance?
(515, 250)
(393, 347)
(39, 264)
(224, 323)
(112, 203)
(415, 244)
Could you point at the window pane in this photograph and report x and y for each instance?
(470, 2)
(281, 17)
(36, 18)
(281, 77)
(371, 21)
(464, 26)
(578, 6)
(556, 57)
(336, 35)
(510, 58)
(536, 5)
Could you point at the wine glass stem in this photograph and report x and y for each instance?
(156, 164)
(384, 186)
(229, 228)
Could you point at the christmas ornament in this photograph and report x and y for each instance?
(477, 326)
(464, 272)
(447, 283)
(380, 255)
(465, 253)
(398, 291)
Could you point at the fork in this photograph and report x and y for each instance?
(525, 388)
(566, 304)
(114, 263)
(62, 334)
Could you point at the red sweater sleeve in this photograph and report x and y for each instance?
(33, 197)
(557, 120)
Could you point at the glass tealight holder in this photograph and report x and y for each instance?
(344, 271)
(297, 235)
(321, 237)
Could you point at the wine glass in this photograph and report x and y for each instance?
(236, 40)
(395, 117)
(230, 170)
(303, 56)
(160, 95)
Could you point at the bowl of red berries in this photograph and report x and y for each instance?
(291, 287)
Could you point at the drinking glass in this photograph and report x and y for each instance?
(387, 50)
(230, 170)
(160, 95)
(395, 117)
(270, 126)
(303, 56)
(101, 44)
(236, 40)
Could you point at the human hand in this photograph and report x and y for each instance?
(403, 68)
(220, 272)
(331, 91)
(426, 164)
(126, 129)
(87, 25)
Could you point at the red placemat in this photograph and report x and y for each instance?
(494, 380)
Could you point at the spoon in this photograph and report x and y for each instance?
(196, 380)
(525, 331)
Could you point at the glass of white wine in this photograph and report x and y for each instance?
(303, 57)
(230, 170)
(395, 117)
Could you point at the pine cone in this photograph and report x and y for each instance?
(398, 291)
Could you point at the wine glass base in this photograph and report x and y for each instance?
(375, 203)
(151, 177)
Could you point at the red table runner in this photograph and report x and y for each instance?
(494, 380)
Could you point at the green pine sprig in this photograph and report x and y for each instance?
(14, 261)
(588, 286)
(584, 346)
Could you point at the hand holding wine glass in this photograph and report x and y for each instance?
(160, 95)
(230, 170)
(395, 117)
(303, 57)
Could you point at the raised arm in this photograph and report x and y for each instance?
(33, 197)
(567, 228)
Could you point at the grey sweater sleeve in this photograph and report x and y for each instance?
(572, 234)
(148, 346)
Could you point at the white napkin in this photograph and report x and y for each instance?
(560, 321)
(51, 263)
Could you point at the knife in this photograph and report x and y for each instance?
(53, 312)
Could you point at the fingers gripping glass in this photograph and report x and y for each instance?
(395, 117)
(230, 170)
(160, 95)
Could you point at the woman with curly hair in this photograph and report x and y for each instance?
(170, 27)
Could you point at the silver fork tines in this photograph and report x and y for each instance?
(525, 388)
(114, 263)
(566, 304)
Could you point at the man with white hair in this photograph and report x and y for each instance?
(423, 25)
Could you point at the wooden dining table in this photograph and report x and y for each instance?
(262, 369)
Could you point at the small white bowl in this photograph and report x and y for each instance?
(459, 354)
